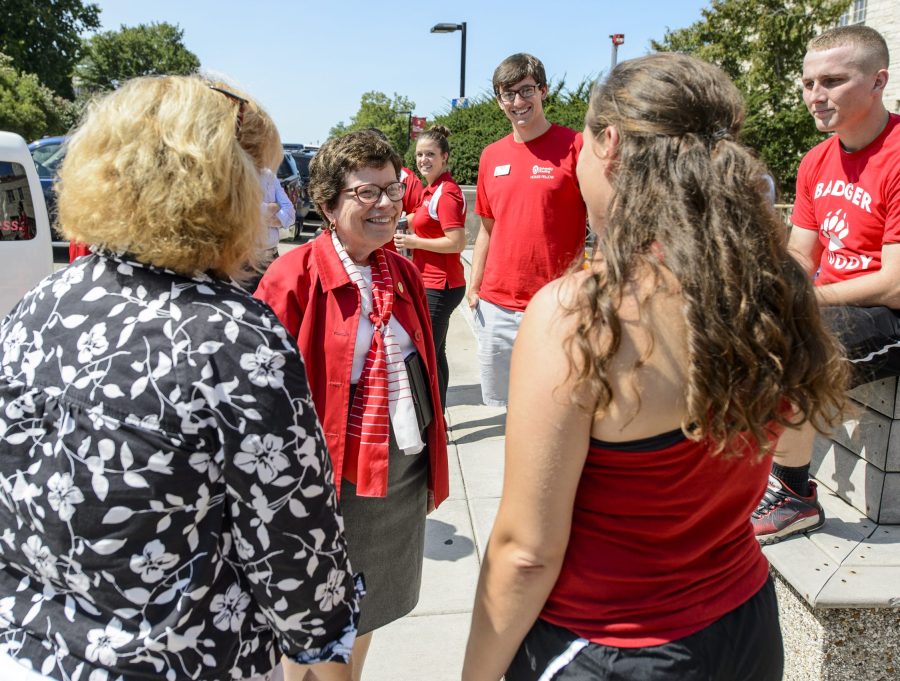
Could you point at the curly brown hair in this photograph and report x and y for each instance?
(687, 197)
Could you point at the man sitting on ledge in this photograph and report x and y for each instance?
(847, 235)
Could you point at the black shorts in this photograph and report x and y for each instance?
(871, 339)
(744, 645)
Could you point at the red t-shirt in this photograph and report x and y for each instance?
(531, 192)
(853, 199)
(661, 544)
(443, 207)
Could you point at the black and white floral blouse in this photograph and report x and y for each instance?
(166, 499)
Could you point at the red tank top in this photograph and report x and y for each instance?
(661, 543)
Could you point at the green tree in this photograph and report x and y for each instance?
(113, 57)
(483, 122)
(388, 114)
(43, 37)
(760, 44)
(28, 107)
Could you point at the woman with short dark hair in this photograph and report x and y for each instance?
(359, 315)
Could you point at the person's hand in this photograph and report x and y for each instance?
(270, 211)
(408, 241)
(431, 505)
(472, 298)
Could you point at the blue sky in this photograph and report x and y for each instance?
(308, 63)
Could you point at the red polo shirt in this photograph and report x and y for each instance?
(443, 207)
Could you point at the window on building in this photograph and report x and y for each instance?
(855, 14)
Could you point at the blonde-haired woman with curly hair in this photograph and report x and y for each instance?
(646, 398)
(167, 493)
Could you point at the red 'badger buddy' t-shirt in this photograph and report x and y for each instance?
(531, 192)
(853, 200)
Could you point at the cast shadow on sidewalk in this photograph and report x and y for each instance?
(443, 543)
(492, 426)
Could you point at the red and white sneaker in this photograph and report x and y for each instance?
(783, 513)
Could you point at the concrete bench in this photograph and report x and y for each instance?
(839, 588)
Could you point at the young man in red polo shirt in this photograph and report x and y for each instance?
(847, 235)
(533, 220)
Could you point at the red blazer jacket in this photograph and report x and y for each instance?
(310, 292)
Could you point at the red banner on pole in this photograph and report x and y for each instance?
(416, 126)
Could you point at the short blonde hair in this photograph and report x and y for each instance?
(869, 42)
(155, 169)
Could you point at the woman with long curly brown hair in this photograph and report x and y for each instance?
(647, 395)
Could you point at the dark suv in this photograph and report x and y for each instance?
(302, 155)
(294, 187)
(48, 153)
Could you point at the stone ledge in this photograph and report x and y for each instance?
(852, 562)
(825, 644)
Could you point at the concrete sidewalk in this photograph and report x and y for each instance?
(429, 642)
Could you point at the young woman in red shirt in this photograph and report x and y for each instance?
(647, 395)
(439, 226)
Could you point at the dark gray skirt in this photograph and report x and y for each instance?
(386, 538)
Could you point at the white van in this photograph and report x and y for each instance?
(26, 253)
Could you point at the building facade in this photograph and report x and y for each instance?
(884, 17)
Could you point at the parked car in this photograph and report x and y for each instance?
(48, 154)
(302, 156)
(289, 176)
(25, 251)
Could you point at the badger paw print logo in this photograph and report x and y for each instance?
(836, 229)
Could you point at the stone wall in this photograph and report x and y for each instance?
(473, 222)
(860, 462)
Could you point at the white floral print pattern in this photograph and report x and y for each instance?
(154, 430)
(262, 456)
(154, 562)
(63, 495)
(103, 643)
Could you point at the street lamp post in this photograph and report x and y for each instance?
(450, 28)
(408, 115)
(617, 39)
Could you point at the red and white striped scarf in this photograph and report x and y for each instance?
(383, 396)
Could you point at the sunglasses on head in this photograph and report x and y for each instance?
(241, 102)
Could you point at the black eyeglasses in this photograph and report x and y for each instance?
(525, 92)
(241, 102)
(371, 193)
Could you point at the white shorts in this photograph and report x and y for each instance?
(496, 328)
